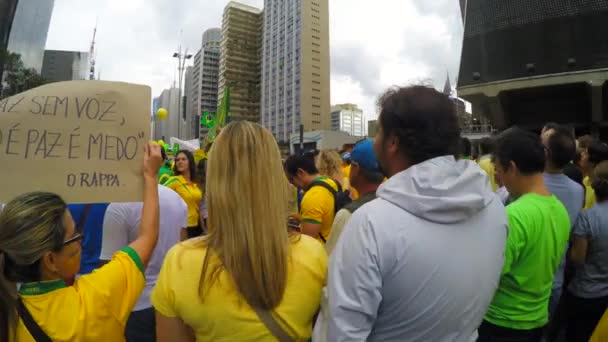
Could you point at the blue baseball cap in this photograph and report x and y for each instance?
(363, 154)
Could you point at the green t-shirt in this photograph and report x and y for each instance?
(539, 228)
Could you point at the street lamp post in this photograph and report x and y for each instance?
(181, 67)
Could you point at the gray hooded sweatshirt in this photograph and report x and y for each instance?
(422, 261)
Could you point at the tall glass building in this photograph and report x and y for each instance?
(29, 30)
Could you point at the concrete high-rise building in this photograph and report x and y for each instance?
(65, 65)
(7, 14)
(240, 60)
(348, 118)
(29, 29)
(205, 76)
(165, 129)
(189, 129)
(295, 67)
(212, 39)
(372, 127)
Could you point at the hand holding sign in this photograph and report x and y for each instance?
(83, 140)
(152, 160)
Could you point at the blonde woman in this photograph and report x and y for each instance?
(329, 164)
(40, 248)
(226, 285)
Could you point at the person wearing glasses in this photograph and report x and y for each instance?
(40, 248)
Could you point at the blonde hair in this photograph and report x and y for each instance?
(329, 164)
(30, 225)
(247, 204)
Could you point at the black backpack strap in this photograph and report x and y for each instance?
(327, 186)
(332, 191)
(30, 323)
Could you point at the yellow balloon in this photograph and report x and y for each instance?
(161, 143)
(162, 113)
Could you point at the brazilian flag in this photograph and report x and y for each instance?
(208, 119)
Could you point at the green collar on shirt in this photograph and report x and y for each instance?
(42, 287)
(320, 178)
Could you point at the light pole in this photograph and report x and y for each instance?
(181, 67)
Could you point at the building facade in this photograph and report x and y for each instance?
(29, 30)
(372, 127)
(240, 60)
(65, 65)
(189, 129)
(348, 118)
(7, 14)
(165, 129)
(295, 67)
(205, 77)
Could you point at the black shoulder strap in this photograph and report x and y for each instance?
(327, 186)
(30, 323)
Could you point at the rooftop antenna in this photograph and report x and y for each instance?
(92, 53)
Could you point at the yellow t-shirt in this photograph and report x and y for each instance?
(589, 194)
(95, 308)
(225, 315)
(191, 194)
(318, 207)
(485, 163)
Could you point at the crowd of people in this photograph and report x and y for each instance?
(416, 235)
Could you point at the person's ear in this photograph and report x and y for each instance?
(512, 167)
(49, 261)
(392, 144)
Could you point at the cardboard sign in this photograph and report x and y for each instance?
(82, 140)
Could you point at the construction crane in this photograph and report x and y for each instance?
(92, 55)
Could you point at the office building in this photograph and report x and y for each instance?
(295, 67)
(65, 65)
(29, 29)
(189, 129)
(240, 60)
(205, 75)
(165, 129)
(372, 127)
(348, 118)
(7, 14)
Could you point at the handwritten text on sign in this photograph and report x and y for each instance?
(81, 139)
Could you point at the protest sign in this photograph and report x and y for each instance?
(83, 140)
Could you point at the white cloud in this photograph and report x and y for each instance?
(374, 45)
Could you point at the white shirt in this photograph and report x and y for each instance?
(121, 227)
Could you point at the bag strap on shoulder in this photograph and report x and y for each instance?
(30, 323)
(271, 324)
(327, 186)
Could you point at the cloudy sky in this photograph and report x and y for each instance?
(374, 44)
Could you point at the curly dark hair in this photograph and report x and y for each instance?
(423, 119)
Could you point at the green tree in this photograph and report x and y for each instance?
(16, 78)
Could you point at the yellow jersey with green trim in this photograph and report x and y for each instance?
(486, 164)
(318, 207)
(223, 315)
(95, 308)
(191, 193)
(589, 194)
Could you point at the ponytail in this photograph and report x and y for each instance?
(8, 303)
